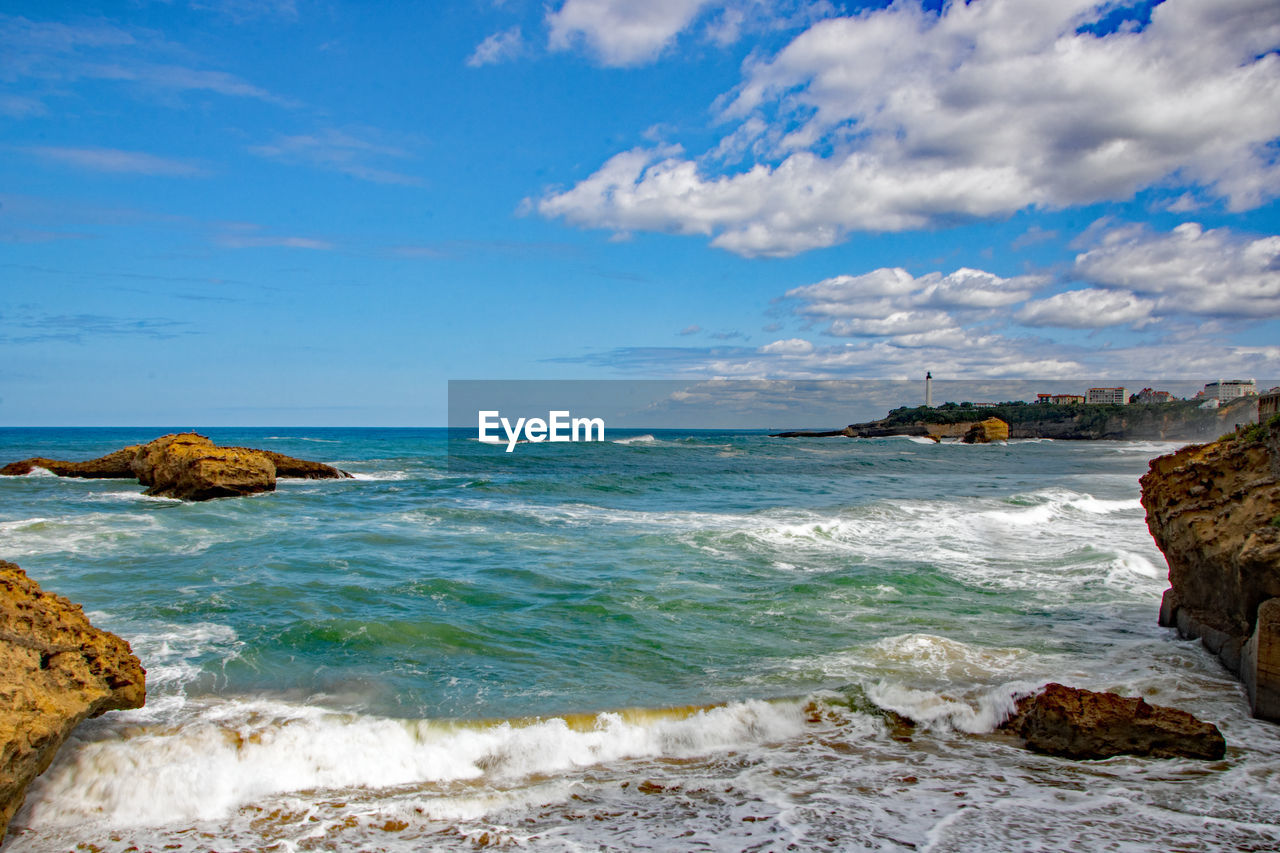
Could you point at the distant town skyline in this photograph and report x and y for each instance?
(240, 212)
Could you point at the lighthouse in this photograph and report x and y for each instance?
(928, 389)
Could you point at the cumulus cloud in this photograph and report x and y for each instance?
(903, 118)
(790, 346)
(1089, 308)
(498, 47)
(628, 33)
(621, 32)
(892, 302)
(1215, 273)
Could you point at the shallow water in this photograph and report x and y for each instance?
(666, 641)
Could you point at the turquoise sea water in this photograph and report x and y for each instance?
(670, 640)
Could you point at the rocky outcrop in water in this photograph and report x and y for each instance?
(1214, 510)
(57, 670)
(110, 467)
(987, 431)
(188, 466)
(1075, 723)
(193, 468)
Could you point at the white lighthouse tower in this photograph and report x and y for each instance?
(928, 389)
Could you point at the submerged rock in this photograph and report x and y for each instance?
(1076, 723)
(188, 466)
(57, 671)
(987, 431)
(1214, 510)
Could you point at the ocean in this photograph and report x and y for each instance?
(671, 640)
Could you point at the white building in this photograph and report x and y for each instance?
(1107, 396)
(1230, 389)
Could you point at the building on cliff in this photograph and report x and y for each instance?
(1229, 389)
(1269, 405)
(1150, 395)
(1107, 396)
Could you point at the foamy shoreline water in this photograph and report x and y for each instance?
(655, 647)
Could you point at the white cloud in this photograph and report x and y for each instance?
(901, 118)
(790, 346)
(115, 160)
(892, 302)
(498, 47)
(1090, 308)
(621, 32)
(1216, 273)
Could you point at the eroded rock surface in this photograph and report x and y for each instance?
(57, 671)
(191, 467)
(112, 466)
(1214, 510)
(987, 431)
(1075, 723)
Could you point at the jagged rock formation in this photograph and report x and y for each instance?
(987, 431)
(113, 466)
(1076, 723)
(57, 671)
(1214, 510)
(188, 466)
(191, 467)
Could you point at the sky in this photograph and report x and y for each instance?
(317, 212)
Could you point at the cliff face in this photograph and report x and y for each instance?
(1145, 423)
(57, 670)
(1214, 510)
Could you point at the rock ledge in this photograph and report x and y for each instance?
(57, 671)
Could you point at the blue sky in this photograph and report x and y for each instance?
(218, 212)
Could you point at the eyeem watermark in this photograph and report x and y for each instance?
(558, 426)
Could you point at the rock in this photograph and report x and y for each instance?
(191, 467)
(1212, 509)
(58, 670)
(1078, 723)
(288, 466)
(985, 432)
(188, 466)
(112, 466)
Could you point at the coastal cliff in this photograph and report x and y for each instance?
(1214, 510)
(1179, 421)
(1182, 420)
(58, 671)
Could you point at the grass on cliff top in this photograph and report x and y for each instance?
(1085, 415)
(1255, 432)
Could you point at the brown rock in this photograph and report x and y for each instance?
(289, 466)
(57, 670)
(191, 467)
(1210, 509)
(1078, 723)
(112, 466)
(985, 432)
